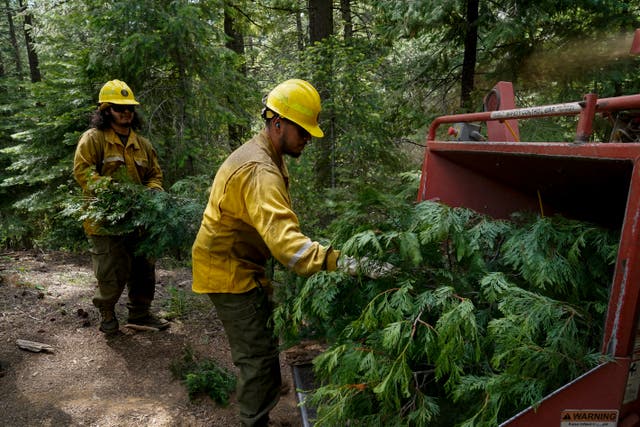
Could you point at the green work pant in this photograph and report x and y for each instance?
(254, 350)
(116, 265)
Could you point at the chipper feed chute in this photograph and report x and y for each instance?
(596, 182)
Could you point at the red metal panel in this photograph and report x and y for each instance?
(597, 389)
(456, 185)
(620, 327)
(502, 97)
(599, 150)
(585, 123)
(456, 171)
(635, 45)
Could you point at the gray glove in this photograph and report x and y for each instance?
(365, 266)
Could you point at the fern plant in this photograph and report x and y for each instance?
(481, 317)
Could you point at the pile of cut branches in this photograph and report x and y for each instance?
(480, 318)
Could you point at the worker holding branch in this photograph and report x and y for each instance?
(249, 219)
(110, 147)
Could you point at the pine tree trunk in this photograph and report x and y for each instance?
(320, 20)
(300, 32)
(469, 62)
(235, 42)
(14, 40)
(32, 55)
(345, 9)
(321, 27)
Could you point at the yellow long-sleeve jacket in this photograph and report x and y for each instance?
(249, 218)
(102, 153)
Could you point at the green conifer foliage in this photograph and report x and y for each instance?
(480, 318)
(166, 221)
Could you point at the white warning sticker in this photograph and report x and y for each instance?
(589, 418)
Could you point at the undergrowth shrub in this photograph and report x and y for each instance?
(177, 303)
(204, 377)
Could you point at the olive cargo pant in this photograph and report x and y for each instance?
(254, 350)
(115, 266)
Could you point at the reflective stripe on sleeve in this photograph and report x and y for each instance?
(113, 159)
(296, 257)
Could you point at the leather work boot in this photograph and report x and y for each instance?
(148, 319)
(108, 321)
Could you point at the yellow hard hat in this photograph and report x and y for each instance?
(297, 100)
(117, 92)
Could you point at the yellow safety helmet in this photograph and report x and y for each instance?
(117, 92)
(297, 100)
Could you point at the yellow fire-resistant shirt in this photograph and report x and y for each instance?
(249, 218)
(101, 153)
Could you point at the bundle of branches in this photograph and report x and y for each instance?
(480, 319)
(166, 222)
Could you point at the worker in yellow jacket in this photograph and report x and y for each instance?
(247, 220)
(110, 145)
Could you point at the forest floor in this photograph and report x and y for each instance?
(89, 380)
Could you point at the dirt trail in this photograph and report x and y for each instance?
(92, 381)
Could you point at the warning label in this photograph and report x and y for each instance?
(589, 418)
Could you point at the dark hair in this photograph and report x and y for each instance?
(268, 115)
(101, 119)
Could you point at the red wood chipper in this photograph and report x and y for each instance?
(591, 181)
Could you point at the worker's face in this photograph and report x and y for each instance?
(293, 139)
(122, 115)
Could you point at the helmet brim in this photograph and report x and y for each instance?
(126, 102)
(315, 131)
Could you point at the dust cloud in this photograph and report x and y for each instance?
(577, 57)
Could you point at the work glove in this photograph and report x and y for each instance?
(365, 266)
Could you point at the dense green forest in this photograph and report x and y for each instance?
(385, 69)
(485, 314)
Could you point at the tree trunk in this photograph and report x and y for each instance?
(235, 42)
(469, 62)
(300, 32)
(32, 55)
(321, 27)
(320, 20)
(14, 40)
(345, 9)
(181, 121)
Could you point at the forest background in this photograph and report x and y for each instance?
(385, 69)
